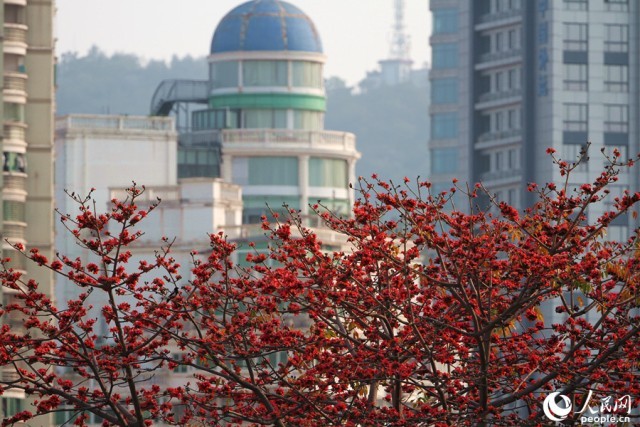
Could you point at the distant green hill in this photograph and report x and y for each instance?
(391, 123)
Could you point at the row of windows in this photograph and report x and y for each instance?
(506, 80)
(576, 37)
(576, 117)
(328, 173)
(611, 5)
(576, 152)
(258, 119)
(444, 160)
(266, 73)
(616, 78)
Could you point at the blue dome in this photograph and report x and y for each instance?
(271, 25)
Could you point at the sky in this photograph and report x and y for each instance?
(355, 33)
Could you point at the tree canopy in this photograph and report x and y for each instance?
(434, 317)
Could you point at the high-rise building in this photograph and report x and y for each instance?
(27, 146)
(510, 78)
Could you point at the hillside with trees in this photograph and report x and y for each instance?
(391, 123)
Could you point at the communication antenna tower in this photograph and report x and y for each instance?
(400, 43)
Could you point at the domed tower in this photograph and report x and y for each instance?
(265, 114)
(266, 72)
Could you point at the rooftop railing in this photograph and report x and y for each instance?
(89, 121)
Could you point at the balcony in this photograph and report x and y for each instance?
(494, 99)
(14, 131)
(15, 182)
(14, 232)
(311, 139)
(497, 19)
(15, 82)
(494, 59)
(501, 175)
(15, 34)
(494, 139)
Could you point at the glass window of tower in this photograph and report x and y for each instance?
(616, 38)
(273, 171)
(308, 120)
(328, 173)
(576, 4)
(575, 77)
(444, 125)
(616, 78)
(444, 160)
(445, 55)
(264, 73)
(265, 119)
(306, 74)
(444, 91)
(616, 118)
(445, 21)
(575, 36)
(224, 74)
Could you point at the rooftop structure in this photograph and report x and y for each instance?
(259, 120)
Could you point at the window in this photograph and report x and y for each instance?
(445, 55)
(513, 160)
(513, 119)
(513, 39)
(264, 73)
(13, 112)
(514, 78)
(575, 37)
(575, 77)
(306, 74)
(273, 171)
(498, 79)
(444, 125)
(444, 160)
(498, 42)
(498, 121)
(11, 406)
(575, 117)
(328, 173)
(14, 162)
(224, 74)
(444, 91)
(616, 78)
(617, 5)
(576, 4)
(308, 120)
(445, 21)
(265, 119)
(13, 210)
(616, 38)
(572, 153)
(616, 118)
(499, 161)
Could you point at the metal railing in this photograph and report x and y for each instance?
(150, 194)
(495, 96)
(499, 16)
(172, 91)
(90, 121)
(13, 232)
(494, 136)
(496, 175)
(498, 56)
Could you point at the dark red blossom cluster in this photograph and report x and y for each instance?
(432, 317)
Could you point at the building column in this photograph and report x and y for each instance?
(352, 180)
(226, 167)
(303, 183)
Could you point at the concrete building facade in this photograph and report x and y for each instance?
(27, 111)
(510, 78)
